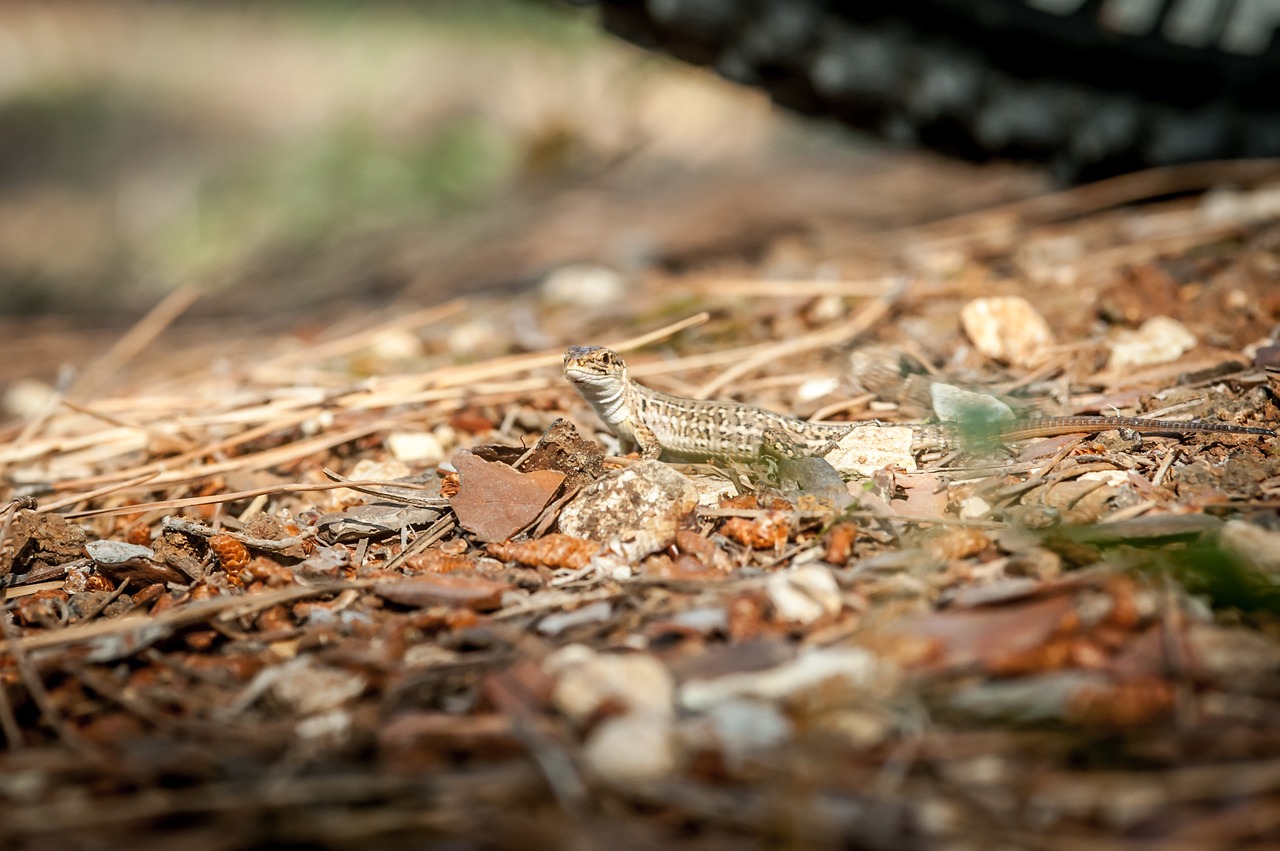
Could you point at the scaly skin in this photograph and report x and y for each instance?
(662, 425)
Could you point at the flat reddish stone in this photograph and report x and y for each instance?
(496, 501)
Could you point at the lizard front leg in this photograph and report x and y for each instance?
(647, 443)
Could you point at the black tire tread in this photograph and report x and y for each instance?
(977, 86)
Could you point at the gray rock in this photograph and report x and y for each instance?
(635, 511)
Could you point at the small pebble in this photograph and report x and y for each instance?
(1159, 340)
(634, 748)
(1006, 329)
(586, 680)
(804, 594)
(583, 285)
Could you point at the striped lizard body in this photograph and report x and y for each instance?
(678, 428)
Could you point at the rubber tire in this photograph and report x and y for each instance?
(983, 78)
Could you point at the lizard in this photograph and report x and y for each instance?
(679, 428)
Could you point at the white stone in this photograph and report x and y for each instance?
(742, 728)
(974, 508)
(583, 285)
(307, 687)
(866, 450)
(804, 594)
(858, 669)
(415, 447)
(1007, 329)
(1258, 546)
(27, 397)
(816, 388)
(713, 489)
(1115, 478)
(1159, 340)
(632, 748)
(364, 470)
(396, 344)
(586, 680)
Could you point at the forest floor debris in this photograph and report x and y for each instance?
(237, 610)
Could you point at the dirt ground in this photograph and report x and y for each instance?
(324, 551)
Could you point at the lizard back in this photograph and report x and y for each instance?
(695, 428)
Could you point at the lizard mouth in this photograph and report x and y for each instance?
(578, 375)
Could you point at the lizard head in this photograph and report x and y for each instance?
(600, 377)
(593, 364)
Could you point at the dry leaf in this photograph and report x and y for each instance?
(495, 501)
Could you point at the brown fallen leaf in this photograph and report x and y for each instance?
(46, 608)
(975, 636)
(483, 595)
(495, 501)
(1077, 697)
(925, 495)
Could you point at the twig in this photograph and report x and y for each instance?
(837, 334)
(870, 288)
(1129, 512)
(1038, 476)
(49, 507)
(420, 502)
(192, 527)
(434, 532)
(202, 451)
(1173, 455)
(8, 721)
(45, 574)
(555, 600)
(353, 342)
(1104, 194)
(451, 381)
(136, 338)
(111, 419)
(175, 617)
(854, 403)
(10, 510)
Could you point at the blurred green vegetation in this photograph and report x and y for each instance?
(137, 179)
(346, 178)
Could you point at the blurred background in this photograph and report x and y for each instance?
(143, 145)
(289, 159)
